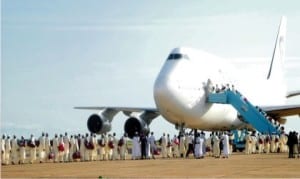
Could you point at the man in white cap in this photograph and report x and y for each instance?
(14, 150)
(41, 148)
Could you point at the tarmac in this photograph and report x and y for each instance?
(237, 165)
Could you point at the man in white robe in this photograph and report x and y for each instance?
(94, 147)
(282, 143)
(136, 147)
(254, 143)
(115, 149)
(61, 150)
(123, 147)
(208, 145)
(226, 149)
(22, 150)
(164, 146)
(14, 151)
(197, 147)
(72, 148)
(272, 143)
(47, 147)
(260, 144)
(175, 146)
(103, 145)
(110, 146)
(32, 147)
(3, 149)
(86, 149)
(152, 145)
(248, 144)
(7, 151)
(82, 148)
(203, 144)
(267, 143)
(42, 148)
(216, 146)
(169, 146)
(55, 148)
(66, 141)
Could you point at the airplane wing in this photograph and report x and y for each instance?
(148, 113)
(124, 109)
(282, 111)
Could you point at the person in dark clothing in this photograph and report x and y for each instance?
(295, 145)
(290, 144)
(190, 145)
(143, 145)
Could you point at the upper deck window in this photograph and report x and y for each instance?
(176, 56)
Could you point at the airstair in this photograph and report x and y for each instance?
(250, 113)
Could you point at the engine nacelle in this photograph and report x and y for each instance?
(134, 124)
(98, 124)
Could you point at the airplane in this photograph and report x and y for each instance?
(180, 93)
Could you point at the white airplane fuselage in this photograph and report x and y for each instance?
(180, 90)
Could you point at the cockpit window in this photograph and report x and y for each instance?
(176, 56)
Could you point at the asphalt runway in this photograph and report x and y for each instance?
(237, 166)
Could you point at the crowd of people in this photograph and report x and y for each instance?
(265, 143)
(89, 147)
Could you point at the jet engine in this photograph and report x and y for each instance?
(135, 124)
(96, 123)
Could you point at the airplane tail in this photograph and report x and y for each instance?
(277, 62)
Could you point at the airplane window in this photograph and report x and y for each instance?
(177, 56)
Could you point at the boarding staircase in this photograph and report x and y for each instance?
(250, 113)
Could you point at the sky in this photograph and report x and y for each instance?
(59, 54)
